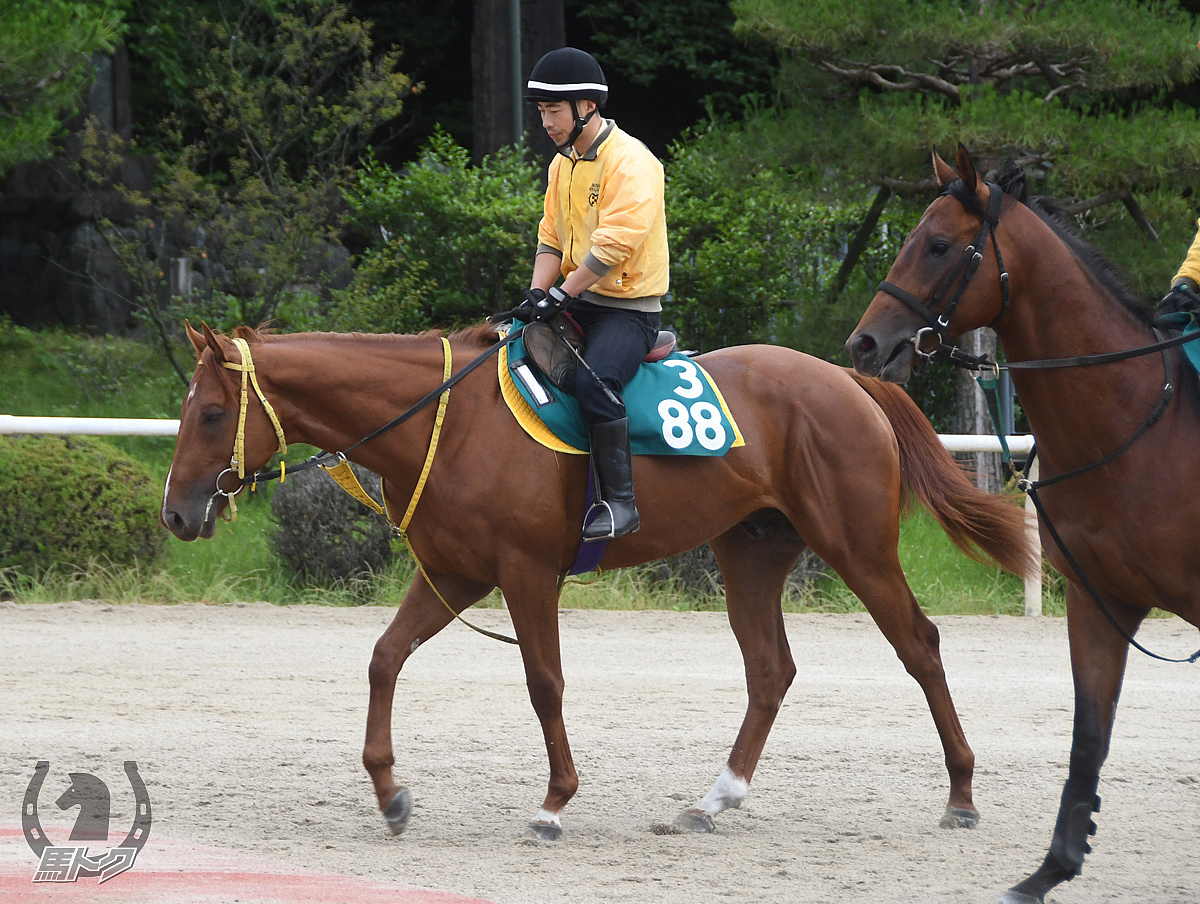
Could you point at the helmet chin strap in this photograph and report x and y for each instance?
(580, 123)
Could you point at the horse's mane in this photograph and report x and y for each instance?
(1051, 212)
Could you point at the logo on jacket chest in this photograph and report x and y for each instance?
(593, 194)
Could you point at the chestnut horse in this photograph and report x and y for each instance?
(1128, 517)
(827, 459)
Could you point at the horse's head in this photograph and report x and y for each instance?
(202, 478)
(946, 280)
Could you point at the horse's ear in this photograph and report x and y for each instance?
(966, 169)
(213, 342)
(197, 338)
(945, 174)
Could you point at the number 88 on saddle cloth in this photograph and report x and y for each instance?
(673, 405)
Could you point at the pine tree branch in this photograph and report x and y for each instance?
(876, 74)
(9, 100)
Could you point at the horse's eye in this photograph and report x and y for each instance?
(939, 247)
(213, 416)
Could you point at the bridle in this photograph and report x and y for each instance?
(963, 272)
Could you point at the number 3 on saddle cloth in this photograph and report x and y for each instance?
(674, 407)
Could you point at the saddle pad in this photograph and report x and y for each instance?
(673, 405)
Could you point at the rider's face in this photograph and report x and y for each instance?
(557, 119)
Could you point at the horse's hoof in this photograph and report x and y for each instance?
(956, 818)
(543, 831)
(398, 811)
(1012, 896)
(695, 820)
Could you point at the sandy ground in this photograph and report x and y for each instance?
(246, 723)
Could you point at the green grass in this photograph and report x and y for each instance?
(59, 374)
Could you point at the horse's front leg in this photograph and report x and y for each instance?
(532, 597)
(420, 616)
(1098, 655)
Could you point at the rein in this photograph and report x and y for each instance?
(341, 471)
(951, 354)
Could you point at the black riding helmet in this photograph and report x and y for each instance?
(571, 75)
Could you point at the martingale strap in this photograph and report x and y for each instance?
(345, 477)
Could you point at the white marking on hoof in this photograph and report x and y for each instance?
(728, 793)
(546, 818)
(545, 827)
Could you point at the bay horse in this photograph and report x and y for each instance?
(828, 460)
(1128, 515)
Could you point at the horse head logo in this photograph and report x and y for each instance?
(91, 795)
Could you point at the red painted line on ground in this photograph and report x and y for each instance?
(177, 872)
(247, 888)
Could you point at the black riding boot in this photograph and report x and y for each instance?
(614, 512)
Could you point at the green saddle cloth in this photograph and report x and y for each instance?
(673, 405)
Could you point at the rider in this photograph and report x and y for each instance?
(604, 231)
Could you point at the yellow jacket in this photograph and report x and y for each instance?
(604, 210)
(1190, 268)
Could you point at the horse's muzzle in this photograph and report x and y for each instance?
(190, 520)
(888, 358)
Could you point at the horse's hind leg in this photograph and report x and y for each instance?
(865, 555)
(420, 616)
(754, 570)
(1098, 655)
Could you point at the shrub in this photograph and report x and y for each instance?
(68, 500)
(322, 535)
(755, 256)
(457, 240)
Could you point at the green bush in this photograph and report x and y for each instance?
(755, 256)
(456, 241)
(68, 500)
(325, 537)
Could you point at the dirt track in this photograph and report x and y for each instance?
(246, 723)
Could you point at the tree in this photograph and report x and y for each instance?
(673, 63)
(292, 94)
(46, 48)
(1077, 93)
(541, 30)
(1085, 96)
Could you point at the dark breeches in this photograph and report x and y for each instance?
(617, 340)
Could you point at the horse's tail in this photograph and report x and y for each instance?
(987, 528)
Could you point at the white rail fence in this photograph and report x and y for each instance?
(112, 426)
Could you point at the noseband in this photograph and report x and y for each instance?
(963, 273)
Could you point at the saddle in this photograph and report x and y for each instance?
(556, 347)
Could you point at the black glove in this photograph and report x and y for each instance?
(1182, 297)
(541, 306)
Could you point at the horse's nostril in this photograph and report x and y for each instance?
(865, 344)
